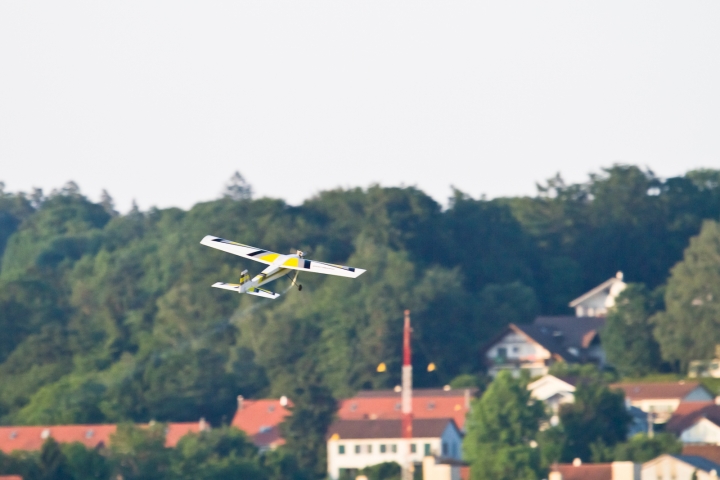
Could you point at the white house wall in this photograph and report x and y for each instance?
(667, 467)
(373, 455)
(518, 349)
(703, 431)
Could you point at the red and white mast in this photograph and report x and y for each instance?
(407, 414)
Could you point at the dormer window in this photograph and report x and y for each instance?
(431, 406)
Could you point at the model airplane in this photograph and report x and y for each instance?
(278, 266)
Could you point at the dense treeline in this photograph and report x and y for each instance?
(139, 453)
(107, 317)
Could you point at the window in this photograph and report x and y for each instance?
(369, 449)
(427, 449)
(383, 448)
(413, 448)
(516, 349)
(341, 449)
(357, 448)
(393, 448)
(502, 352)
(444, 449)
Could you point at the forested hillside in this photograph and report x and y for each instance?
(107, 317)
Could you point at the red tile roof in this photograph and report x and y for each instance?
(356, 429)
(32, 438)
(427, 403)
(92, 436)
(175, 431)
(710, 452)
(590, 471)
(687, 413)
(654, 391)
(259, 419)
(10, 477)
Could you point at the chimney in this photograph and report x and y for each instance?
(203, 425)
(240, 400)
(467, 398)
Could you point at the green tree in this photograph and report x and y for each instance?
(140, 453)
(53, 463)
(501, 432)
(688, 328)
(640, 448)
(628, 333)
(597, 419)
(86, 463)
(311, 414)
(216, 455)
(382, 471)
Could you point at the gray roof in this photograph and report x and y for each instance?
(699, 462)
(361, 429)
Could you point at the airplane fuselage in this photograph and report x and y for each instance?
(270, 274)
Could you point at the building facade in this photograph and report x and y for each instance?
(355, 444)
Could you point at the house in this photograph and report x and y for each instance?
(595, 471)
(701, 425)
(679, 467)
(426, 402)
(548, 340)
(661, 399)
(92, 436)
(356, 444)
(557, 391)
(600, 299)
(436, 468)
(554, 391)
(260, 420)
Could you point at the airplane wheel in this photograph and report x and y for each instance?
(299, 288)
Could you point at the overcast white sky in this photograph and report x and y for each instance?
(162, 101)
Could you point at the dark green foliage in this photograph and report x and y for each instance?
(53, 463)
(688, 328)
(597, 419)
(140, 453)
(640, 448)
(502, 428)
(86, 463)
(382, 471)
(304, 430)
(108, 317)
(628, 338)
(216, 455)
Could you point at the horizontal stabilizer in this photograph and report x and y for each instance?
(227, 286)
(259, 292)
(262, 293)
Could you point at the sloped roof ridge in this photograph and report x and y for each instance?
(599, 288)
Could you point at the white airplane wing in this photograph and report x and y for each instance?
(305, 265)
(252, 253)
